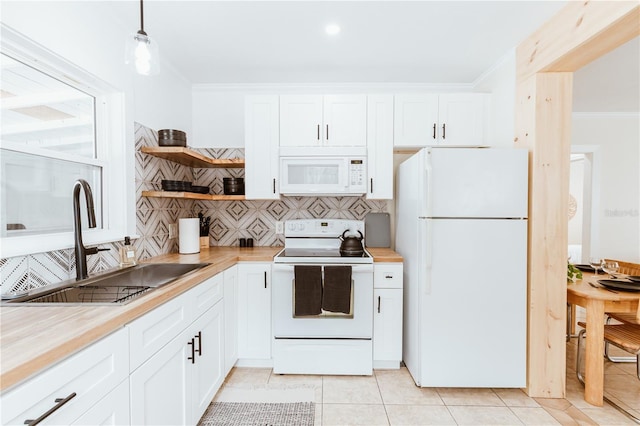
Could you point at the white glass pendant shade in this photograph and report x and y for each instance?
(142, 53)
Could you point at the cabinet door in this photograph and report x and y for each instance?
(261, 139)
(344, 120)
(208, 367)
(300, 120)
(387, 325)
(254, 311)
(380, 147)
(415, 120)
(462, 118)
(230, 318)
(113, 409)
(160, 391)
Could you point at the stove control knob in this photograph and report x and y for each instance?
(292, 226)
(301, 226)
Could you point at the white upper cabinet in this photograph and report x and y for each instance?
(426, 119)
(261, 147)
(380, 147)
(415, 120)
(462, 118)
(316, 120)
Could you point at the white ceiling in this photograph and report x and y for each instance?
(434, 42)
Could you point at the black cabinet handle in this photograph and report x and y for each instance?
(192, 358)
(199, 337)
(327, 132)
(372, 185)
(388, 276)
(318, 132)
(265, 279)
(274, 185)
(59, 403)
(444, 130)
(434, 130)
(378, 304)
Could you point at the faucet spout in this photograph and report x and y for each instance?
(80, 250)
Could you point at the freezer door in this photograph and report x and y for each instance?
(474, 304)
(476, 182)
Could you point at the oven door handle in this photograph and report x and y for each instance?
(285, 267)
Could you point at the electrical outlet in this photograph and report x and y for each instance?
(279, 227)
(172, 230)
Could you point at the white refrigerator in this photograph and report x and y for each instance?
(461, 227)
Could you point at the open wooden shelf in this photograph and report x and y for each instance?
(187, 157)
(192, 196)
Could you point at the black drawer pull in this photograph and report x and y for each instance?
(199, 337)
(388, 276)
(265, 279)
(59, 403)
(192, 358)
(378, 304)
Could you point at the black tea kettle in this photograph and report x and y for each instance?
(351, 245)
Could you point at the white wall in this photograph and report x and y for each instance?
(618, 138)
(500, 81)
(88, 34)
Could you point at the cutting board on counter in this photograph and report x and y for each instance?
(377, 230)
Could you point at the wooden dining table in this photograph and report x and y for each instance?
(596, 302)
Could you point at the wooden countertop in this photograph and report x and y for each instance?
(381, 254)
(34, 337)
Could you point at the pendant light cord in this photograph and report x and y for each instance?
(142, 19)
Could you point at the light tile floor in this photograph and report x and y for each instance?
(390, 397)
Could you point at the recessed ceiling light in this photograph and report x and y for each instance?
(332, 29)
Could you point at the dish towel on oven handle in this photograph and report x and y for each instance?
(336, 296)
(307, 290)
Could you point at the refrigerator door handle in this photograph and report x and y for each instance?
(428, 187)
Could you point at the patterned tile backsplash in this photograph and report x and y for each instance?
(230, 220)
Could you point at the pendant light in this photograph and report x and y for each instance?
(142, 51)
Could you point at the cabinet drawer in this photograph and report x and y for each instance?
(90, 374)
(208, 294)
(387, 275)
(149, 333)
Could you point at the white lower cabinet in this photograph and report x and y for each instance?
(176, 384)
(113, 409)
(207, 368)
(159, 391)
(254, 314)
(230, 318)
(72, 387)
(387, 315)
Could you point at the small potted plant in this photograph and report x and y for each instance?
(573, 273)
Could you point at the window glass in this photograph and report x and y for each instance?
(47, 142)
(37, 193)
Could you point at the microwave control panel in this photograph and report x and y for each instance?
(357, 172)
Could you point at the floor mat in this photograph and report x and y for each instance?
(263, 414)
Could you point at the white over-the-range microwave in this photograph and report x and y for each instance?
(324, 172)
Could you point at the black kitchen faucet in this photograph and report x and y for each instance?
(80, 250)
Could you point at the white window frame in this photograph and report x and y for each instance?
(111, 152)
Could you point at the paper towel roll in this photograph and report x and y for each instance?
(189, 235)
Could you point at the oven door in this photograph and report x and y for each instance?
(359, 325)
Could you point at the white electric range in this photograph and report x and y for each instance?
(324, 341)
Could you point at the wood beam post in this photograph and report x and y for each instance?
(543, 126)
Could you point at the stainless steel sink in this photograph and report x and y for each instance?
(118, 287)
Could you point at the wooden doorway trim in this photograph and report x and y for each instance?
(579, 33)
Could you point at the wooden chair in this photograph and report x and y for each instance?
(624, 336)
(627, 268)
